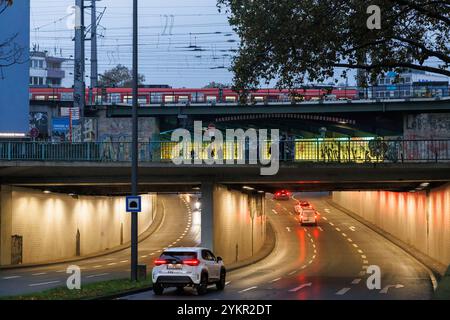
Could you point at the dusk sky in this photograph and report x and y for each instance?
(170, 31)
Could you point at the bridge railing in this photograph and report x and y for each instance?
(313, 151)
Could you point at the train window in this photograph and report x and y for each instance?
(230, 99)
(39, 97)
(129, 99)
(169, 99)
(115, 98)
(155, 98)
(211, 99)
(52, 98)
(183, 99)
(258, 99)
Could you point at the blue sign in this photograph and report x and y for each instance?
(134, 204)
(14, 66)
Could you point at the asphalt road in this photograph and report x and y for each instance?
(325, 262)
(179, 227)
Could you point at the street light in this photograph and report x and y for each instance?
(134, 147)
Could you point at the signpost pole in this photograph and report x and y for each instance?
(134, 146)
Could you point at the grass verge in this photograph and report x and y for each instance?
(88, 291)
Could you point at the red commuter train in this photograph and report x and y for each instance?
(160, 96)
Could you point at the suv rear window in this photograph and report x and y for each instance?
(309, 213)
(179, 255)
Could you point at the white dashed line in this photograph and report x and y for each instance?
(366, 262)
(309, 235)
(99, 266)
(301, 287)
(11, 277)
(363, 256)
(97, 275)
(111, 264)
(248, 289)
(275, 280)
(288, 229)
(331, 223)
(350, 240)
(274, 211)
(324, 218)
(356, 281)
(352, 228)
(39, 274)
(320, 228)
(124, 261)
(345, 235)
(355, 245)
(43, 283)
(227, 283)
(343, 291)
(338, 230)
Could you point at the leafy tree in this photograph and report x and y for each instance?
(294, 41)
(10, 52)
(217, 85)
(119, 77)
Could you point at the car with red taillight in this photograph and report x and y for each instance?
(309, 216)
(188, 267)
(282, 195)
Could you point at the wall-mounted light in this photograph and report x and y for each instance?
(248, 188)
(425, 184)
(47, 191)
(198, 205)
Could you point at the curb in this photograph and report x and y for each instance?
(265, 251)
(159, 218)
(431, 267)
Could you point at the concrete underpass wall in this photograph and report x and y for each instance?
(239, 224)
(49, 224)
(420, 219)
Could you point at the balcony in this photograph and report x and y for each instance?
(56, 73)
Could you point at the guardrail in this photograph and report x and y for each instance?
(316, 151)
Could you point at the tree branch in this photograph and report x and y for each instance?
(393, 65)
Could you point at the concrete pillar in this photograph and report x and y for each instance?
(5, 224)
(207, 217)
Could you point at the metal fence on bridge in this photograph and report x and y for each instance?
(314, 150)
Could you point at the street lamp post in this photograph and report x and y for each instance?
(134, 147)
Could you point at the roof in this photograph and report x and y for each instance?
(182, 249)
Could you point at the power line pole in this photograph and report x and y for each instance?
(94, 57)
(79, 94)
(134, 147)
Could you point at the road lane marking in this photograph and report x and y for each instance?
(314, 245)
(227, 283)
(304, 267)
(43, 283)
(331, 223)
(396, 286)
(363, 256)
(275, 280)
(352, 228)
(274, 211)
(301, 287)
(343, 291)
(310, 261)
(288, 229)
(308, 234)
(338, 230)
(11, 277)
(99, 266)
(355, 245)
(292, 273)
(144, 256)
(311, 240)
(366, 262)
(315, 251)
(39, 274)
(111, 264)
(97, 275)
(124, 261)
(362, 273)
(325, 218)
(61, 271)
(345, 235)
(314, 256)
(305, 229)
(248, 289)
(349, 240)
(327, 210)
(365, 267)
(320, 228)
(356, 281)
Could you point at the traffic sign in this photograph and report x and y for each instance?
(34, 133)
(133, 204)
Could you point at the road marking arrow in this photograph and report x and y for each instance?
(396, 286)
(301, 287)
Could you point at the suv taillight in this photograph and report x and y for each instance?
(159, 262)
(191, 262)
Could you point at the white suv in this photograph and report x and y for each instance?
(194, 267)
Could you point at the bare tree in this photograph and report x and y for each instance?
(10, 51)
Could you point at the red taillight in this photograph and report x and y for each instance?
(159, 262)
(277, 193)
(191, 262)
